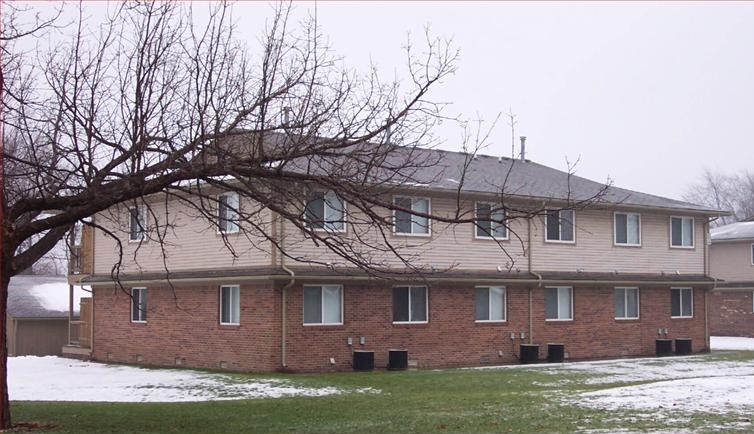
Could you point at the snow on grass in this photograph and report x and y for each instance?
(719, 394)
(58, 379)
(731, 343)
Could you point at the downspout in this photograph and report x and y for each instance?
(282, 294)
(539, 285)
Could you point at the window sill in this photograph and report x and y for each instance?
(326, 324)
(143, 240)
(401, 234)
(625, 245)
(628, 319)
(560, 242)
(559, 320)
(229, 325)
(682, 247)
(477, 237)
(490, 321)
(410, 322)
(138, 322)
(682, 317)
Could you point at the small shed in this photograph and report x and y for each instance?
(37, 317)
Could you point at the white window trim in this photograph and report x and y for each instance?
(751, 252)
(220, 305)
(131, 299)
(426, 304)
(322, 307)
(691, 291)
(615, 229)
(560, 228)
(476, 219)
(489, 306)
(429, 221)
(693, 232)
(324, 211)
(625, 303)
(141, 210)
(572, 312)
(236, 221)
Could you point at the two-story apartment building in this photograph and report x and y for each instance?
(605, 281)
(732, 261)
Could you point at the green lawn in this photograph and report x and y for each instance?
(520, 400)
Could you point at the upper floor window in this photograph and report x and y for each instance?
(227, 212)
(230, 305)
(627, 229)
(490, 303)
(490, 222)
(626, 303)
(681, 303)
(559, 303)
(410, 304)
(682, 232)
(323, 304)
(138, 304)
(560, 225)
(406, 223)
(137, 222)
(325, 210)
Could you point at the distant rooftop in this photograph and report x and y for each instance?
(733, 231)
(41, 297)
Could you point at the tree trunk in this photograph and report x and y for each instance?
(5, 422)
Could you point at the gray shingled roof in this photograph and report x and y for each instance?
(733, 231)
(26, 302)
(487, 174)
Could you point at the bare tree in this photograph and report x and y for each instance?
(148, 108)
(730, 192)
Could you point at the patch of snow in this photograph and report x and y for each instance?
(54, 296)
(731, 343)
(59, 379)
(707, 394)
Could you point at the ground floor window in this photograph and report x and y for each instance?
(410, 304)
(559, 303)
(490, 303)
(323, 304)
(626, 303)
(138, 304)
(230, 304)
(681, 302)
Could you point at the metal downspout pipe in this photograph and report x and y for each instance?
(283, 362)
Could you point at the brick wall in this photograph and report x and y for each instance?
(185, 325)
(731, 313)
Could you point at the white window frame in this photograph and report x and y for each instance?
(615, 229)
(429, 221)
(220, 305)
(142, 312)
(489, 305)
(233, 220)
(322, 306)
(693, 232)
(558, 292)
(560, 227)
(141, 211)
(751, 251)
(492, 228)
(625, 303)
(680, 302)
(327, 224)
(426, 304)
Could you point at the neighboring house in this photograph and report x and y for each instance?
(732, 261)
(605, 281)
(37, 316)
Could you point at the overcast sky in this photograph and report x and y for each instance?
(648, 94)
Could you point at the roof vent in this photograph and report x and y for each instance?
(523, 148)
(286, 116)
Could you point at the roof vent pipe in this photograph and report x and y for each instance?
(523, 148)
(286, 116)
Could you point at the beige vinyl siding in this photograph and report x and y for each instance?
(731, 261)
(447, 246)
(192, 243)
(594, 250)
